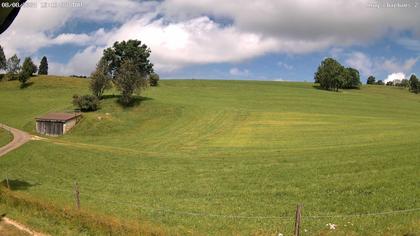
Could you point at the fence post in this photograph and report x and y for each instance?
(7, 182)
(77, 195)
(298, 219)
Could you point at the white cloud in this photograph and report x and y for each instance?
(82, 63)
(238, 72)
(395, 76)
(361, 62)
(392, 65)
(184, 32)
(285, 65)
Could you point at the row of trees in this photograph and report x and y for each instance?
(331, 75)
(412, 84)
(125, 66)
(15, 71)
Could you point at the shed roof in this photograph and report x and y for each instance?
(58, 117)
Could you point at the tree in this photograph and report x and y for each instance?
(3, 61)
(404, 83)
(29, 67)
(351, 78)
(371, 80)
(330, 74)
(100, 79)
(154, 79)
(380, 82)
(27, 70)
(13, 67)
(414, 84)
(129, 80)
(43, 66)
(132, 50)
(390, 83)
(129, 67)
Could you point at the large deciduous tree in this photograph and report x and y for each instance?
(129, 80)
(129, 67)
(330, 74)
(351, 78)
(43, 66)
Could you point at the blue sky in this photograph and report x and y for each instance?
(217, 39)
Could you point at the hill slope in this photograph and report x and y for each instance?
(193, 154)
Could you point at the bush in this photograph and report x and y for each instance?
(154, 79)
(86, 102)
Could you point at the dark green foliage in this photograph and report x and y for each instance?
(380, 82)
(390, 83)
(154, 79)
(3, 61)
(414, 84)
(351, 78)
(404, 83)
(100, 79)
(43, 66)
(330, 74)
(132, 50)
(86, 102)
(29, 67)
(27, 70)
(129, 80)
(371, 80)
(12, 67)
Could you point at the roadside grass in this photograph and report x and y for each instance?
(213, 156)
(5, 137)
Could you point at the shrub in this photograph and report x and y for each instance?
(86, 102)
(154, 79)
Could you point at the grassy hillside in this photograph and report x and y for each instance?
(5, 137)
(226, 157)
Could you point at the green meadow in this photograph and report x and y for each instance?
(5, 137)
(225, 157)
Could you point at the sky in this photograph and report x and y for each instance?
(281, 40)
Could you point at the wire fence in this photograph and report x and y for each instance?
(211, 215)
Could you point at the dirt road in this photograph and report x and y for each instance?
(19, 138)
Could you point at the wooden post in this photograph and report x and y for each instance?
(77, 195)
(298, 219)
(7, 182)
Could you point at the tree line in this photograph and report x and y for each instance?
(412, 83)
(331, 75)
(124, 66)
(15, 71)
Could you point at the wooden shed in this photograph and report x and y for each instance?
(56, 124)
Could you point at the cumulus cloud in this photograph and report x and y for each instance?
(395, 76)
(392, 65)
(368, 65)
(361, 62)
(187, 32)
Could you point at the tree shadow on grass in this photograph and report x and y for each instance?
(26, 85)
(328, 90)
(17, 184)
(135, 101)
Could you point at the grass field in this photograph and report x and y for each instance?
(5, 137)
(194, 154)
